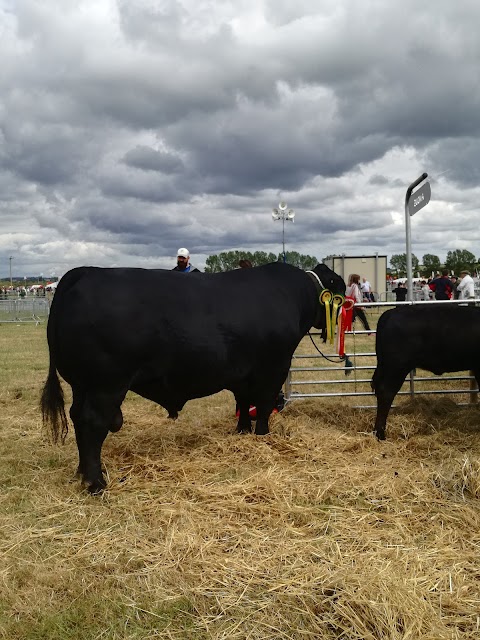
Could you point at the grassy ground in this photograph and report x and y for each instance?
(315, 531)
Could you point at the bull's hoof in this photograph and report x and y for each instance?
(380, 435)
(261, 432)
(173, 415)
(96, 487)
(244, 429)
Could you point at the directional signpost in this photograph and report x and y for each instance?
(413, 203)
(419, 199)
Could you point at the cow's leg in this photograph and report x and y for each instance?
(244, 424)
(76, 415)
(94, 413)
(386, 387)
(266, 401)
(264, 409)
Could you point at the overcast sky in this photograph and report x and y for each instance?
(131, 128)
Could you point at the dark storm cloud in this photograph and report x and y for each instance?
(129, 129)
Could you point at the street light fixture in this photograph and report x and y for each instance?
(282, 214)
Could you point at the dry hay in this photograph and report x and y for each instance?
(315, 531)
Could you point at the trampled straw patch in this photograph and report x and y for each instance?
(314, 531)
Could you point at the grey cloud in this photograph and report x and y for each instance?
(141, 127)
(378, 180)
(151, 160)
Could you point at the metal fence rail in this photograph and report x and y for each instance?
(20, 310)
(328, 384)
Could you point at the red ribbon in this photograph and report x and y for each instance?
(348, 307)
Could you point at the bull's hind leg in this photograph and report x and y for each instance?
(386, 386)
(75, 415)
(94, 414)
(244, 424)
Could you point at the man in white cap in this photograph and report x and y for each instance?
(183, 262)
(466, 287)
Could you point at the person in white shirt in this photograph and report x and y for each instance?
(367, 290)
(466, 287)
(425, 289)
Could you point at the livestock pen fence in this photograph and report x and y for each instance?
(317, 371)
(20, 310)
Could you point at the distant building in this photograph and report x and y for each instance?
(373, 268)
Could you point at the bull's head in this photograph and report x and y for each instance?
(331, 297)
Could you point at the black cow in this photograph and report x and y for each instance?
(411, 337)
(171, 337)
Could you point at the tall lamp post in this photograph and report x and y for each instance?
(282, 214)
(11, 282)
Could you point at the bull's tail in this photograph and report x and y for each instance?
(52, 404)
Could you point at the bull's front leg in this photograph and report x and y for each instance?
(386, 388)
(261, 428)
(264, 409)
(383, 408)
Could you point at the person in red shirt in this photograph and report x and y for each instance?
(442, 286)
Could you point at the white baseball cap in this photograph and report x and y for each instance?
(183, 252)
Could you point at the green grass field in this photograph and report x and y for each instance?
(315, 531)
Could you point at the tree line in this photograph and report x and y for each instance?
(228, 260)
(456, 261)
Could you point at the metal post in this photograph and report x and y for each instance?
(408, 236)
(283, 238)
(473, 389)
(11, 282)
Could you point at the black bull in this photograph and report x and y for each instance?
(171, 337)
(437, 338)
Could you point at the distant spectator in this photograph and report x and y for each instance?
(425, 289)
(400, 292)
(367, 291)
(442, 286)
(455, 283)
(465, 288)
(353, 292)
(183, 262)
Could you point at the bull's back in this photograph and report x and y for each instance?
(107, 322)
